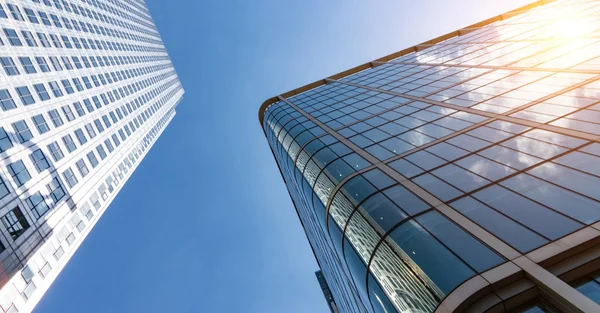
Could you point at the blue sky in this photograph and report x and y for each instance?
(205, 224)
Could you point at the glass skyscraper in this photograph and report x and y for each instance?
(86, 88)
(457, 175)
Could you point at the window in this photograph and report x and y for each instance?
(82, 167)
(3, 189)
(29, 39)
(5, 142)
(12, 36)
(56, 190)
(55, 41)
(39, 160)
(55, 151)
(9, 66)
(15, 12)
(2, 12)
(90, 130)
(55, 63)
(109, 145)
(6, 100)
(45, 270)
(31, 16)
(22, 131)
(29, 290)
(55, 118)
(44, 18)
(27, 273)
(15, 223)
(99, 125)
(42, 92)
(40, 123)
(37, 204)
(67, 63)
(55, 89)
(78, 84)
(116, 140)
(42, 64)
(27, 65)
(70, 239)
(70, 178)
(68, 113)
(69, 143)
(59, 253)
(19, 173)
(88, 105)
(67, 85)
(79, 109)
(101, 152)
(80, 136)
(25, 95)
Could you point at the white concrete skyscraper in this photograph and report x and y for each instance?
(86, 88)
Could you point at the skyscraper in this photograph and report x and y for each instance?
(326, 291)
(86, 89)
(458, 175)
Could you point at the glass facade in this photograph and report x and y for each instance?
(428, 169)
(326, 292)
(86, 89)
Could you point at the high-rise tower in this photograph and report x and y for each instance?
(458, 175)
(86, 88)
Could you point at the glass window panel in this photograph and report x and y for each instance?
(477, 255)
(406, 200)
(383, 211)
(549, 223)
(338, 170)
(484, 167)
(590, 289)
(469, 143)
(406, 168)
(357, 189)
(569, 178)
(379, 301)
(438, 188)
(581, 161)
(435, 261)
(379, 152)
(378, 179)
(510, 157)
(356, 161)
(531, 146)
(580, 208)
(501, 226)
(446, 151)
(460, 178)
(425, 160)
(396, 145)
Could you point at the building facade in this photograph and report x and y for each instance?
(86, 88)
(326, 291)
(458, 175)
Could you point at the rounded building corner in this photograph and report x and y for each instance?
(263, 108)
